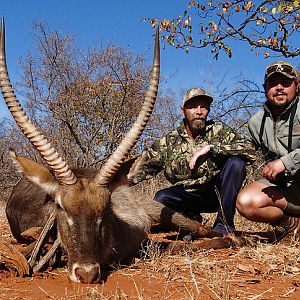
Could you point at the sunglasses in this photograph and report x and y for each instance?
(281, 69)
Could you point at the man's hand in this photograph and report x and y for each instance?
(272, 169)
(199, 157)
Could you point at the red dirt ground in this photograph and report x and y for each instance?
(260, 272)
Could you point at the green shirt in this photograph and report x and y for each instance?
(275, 136)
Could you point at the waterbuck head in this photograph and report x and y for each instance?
(86, 217)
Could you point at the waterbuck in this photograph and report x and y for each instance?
(99, 220)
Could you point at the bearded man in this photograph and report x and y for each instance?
(205, 163)
(275, 199)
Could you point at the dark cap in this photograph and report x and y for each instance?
(196, 92)
(281, 67)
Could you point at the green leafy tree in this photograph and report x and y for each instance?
(269, 26)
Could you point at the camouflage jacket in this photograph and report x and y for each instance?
(173, 152)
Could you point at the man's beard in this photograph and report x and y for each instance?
(280, 104)
(196, 124)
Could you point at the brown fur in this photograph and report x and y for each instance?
(97, 225)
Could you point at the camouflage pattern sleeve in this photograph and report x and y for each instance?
(150, 163)
(173, 152)
(230, 143)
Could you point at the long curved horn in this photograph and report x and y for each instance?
(117, 158)
(61, 170)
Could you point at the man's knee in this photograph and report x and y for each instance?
(243, 201)
(248, 203)
(236, 164)
(160, 196)
(167, 196)
(234, 171)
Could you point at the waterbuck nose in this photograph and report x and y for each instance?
(88, 276)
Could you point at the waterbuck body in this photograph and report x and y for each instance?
(97, 226)
(99, 220)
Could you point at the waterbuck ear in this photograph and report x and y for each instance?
(120, 178)
(35, 173)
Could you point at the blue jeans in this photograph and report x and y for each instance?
(219, 196)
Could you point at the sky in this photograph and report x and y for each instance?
(119, 22)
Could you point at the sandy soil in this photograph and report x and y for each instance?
(257, 272)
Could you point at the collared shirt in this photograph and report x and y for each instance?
(275, 136)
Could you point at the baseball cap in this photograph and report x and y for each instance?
(281, 67)
(195, 92)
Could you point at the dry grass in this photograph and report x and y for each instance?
(216, 274)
